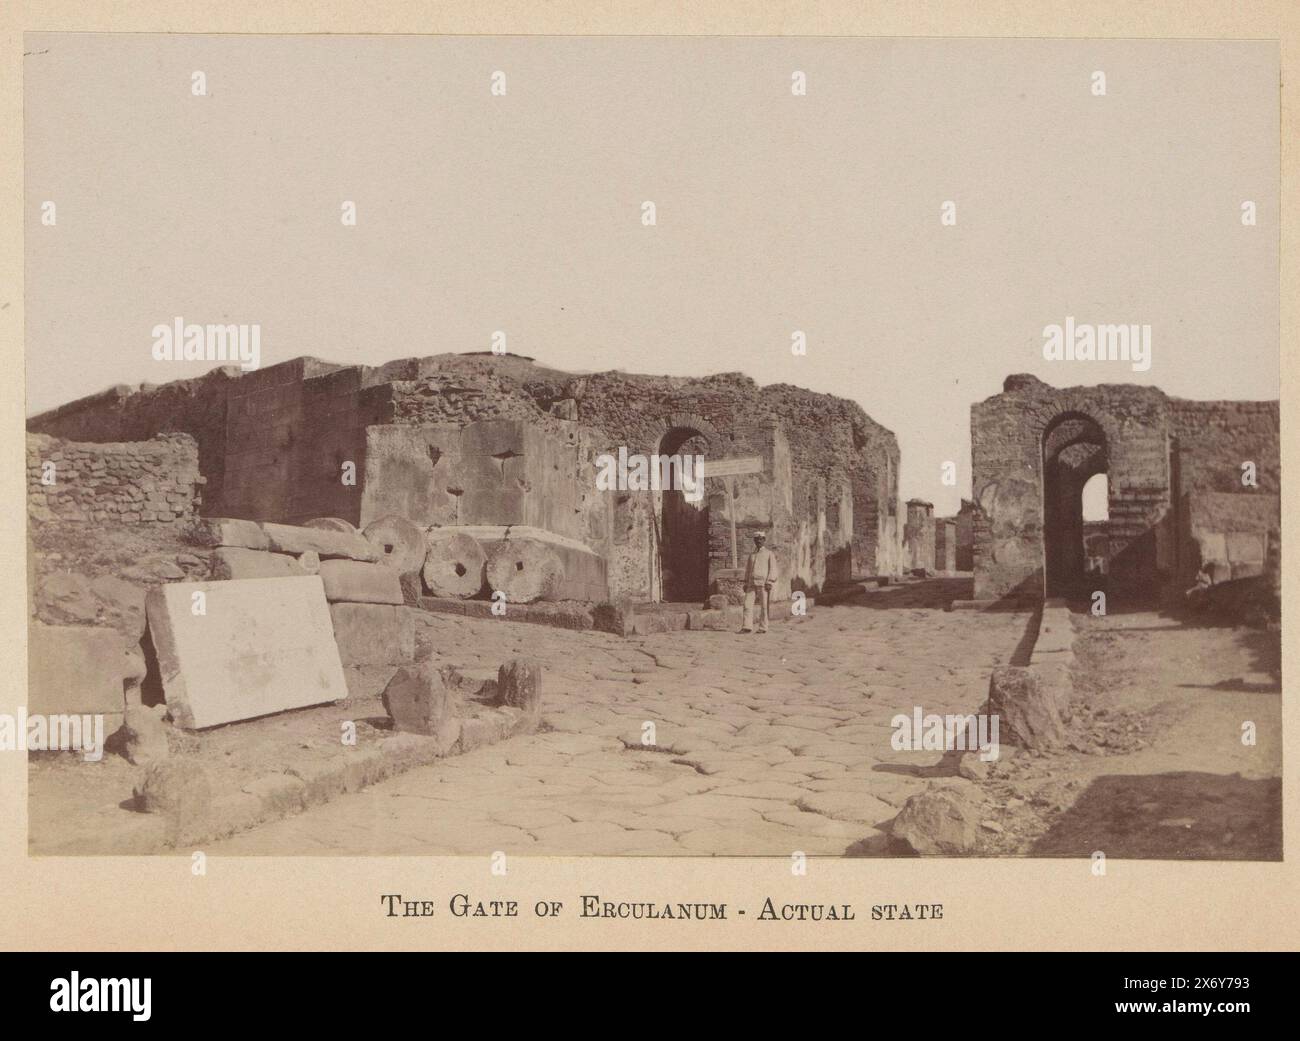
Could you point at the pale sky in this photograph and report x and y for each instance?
(775, 213)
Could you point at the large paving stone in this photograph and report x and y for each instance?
(77, 670)
(287, 538)
(351, 581)
(374, 634)
(261, 646)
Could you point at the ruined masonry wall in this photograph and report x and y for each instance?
(1216, 437)
(272, 443)
(154, 481)
(1159, 449)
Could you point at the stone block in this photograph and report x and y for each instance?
(725, 620)
(352, 581)
(230, 563)
(943, 819)
(287, 538)
(1245, 547)
(497, 466)
(176, 788)
(77, 670)
(412, 588)
(122, 604)
(67, 597)
(418, 702)
(659, 622)
(519, 684)
(367, 681)
(1027, 711)
(373, 634)
(262, 645)
(414, 472)
(1213, 545)
(223, 531)
(144, 734)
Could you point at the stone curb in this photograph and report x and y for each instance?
(268, 797)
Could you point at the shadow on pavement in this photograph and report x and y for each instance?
(1172, 816)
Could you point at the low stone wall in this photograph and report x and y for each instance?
(1229, 535)
(134, 482)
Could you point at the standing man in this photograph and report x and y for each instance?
(760, 577)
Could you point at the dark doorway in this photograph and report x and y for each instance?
(684, 526)
(1075, 546)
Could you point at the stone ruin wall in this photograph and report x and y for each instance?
(945, 545)
(148, 482)
(827, 524)
(966, 536)
(272, 444)
(918, 535)
(1159, 450)
(1215, 437)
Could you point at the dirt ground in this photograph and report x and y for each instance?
(1156, 766)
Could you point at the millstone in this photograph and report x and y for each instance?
(399, 541)
(331, 524)
(524, 570)
(454, 565)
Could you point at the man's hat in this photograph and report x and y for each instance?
(760, 535)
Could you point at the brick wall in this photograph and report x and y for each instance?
(143, 482)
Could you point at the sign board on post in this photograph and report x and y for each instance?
(750, 464)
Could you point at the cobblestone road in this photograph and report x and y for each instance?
(763, 744)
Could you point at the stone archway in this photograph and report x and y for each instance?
(1074, 451)
(683, 524)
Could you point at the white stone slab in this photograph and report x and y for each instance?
(750, 464)
(262, 645)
